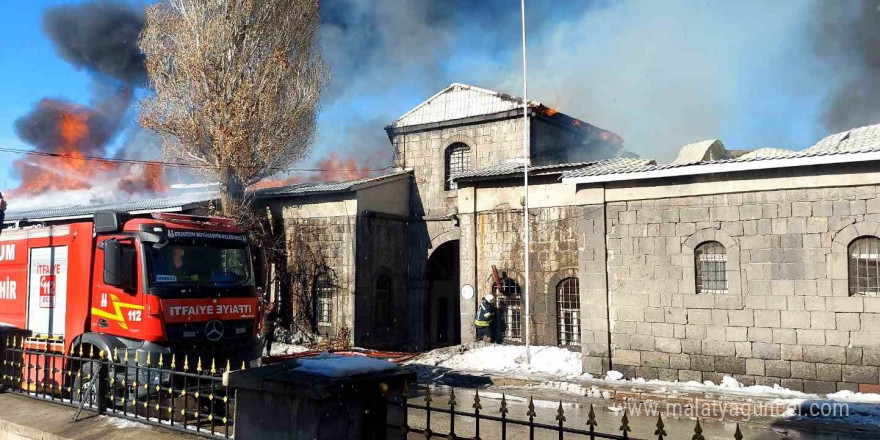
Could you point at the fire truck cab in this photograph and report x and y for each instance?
(170, 284)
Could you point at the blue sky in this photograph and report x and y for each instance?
(660, 74)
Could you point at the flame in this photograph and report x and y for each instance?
(275, 183)
(67, 169)
(337, 169)
(331, 169)
(73, 127)
(149, 180)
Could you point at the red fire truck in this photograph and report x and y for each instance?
(169, 284)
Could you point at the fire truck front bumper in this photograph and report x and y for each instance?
(247, 351)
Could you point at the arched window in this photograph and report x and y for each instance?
(458, 160)
(864, 266)
(323, 300)
(510, 305)
(382, 304)
(568, 307)
(710, 262)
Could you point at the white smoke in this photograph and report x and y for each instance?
(658, 73)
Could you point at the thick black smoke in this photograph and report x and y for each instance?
(849, 35)
(101, 36)
(52, 124)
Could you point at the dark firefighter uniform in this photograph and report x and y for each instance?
(483, 319)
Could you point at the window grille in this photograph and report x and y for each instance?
(711, 267)
(458, 160)
(382, 305)
(864, 266)
(323, 300)
(510, 303)
(568, 306)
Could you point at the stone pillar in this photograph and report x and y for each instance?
(468, 276)
(592, 254)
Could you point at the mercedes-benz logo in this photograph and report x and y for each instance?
(214, 330)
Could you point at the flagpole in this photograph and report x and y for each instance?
(526, 160)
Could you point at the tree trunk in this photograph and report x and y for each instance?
(231, 193)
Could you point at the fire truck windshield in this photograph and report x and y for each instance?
(193, 263)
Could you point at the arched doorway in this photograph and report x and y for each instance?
(444, 328)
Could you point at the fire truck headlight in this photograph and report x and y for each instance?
(160, 378)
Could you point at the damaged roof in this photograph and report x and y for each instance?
(462, 101)
(857, 139)
(459, 101)
(300, 189)
(511, 170)
(174, 203)
(856, 145)
(191, 200)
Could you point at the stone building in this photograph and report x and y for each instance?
(347, 254)
(460, 129)
(763, 264)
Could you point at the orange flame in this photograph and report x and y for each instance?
(332, 169)
(67, 169)
(73, 127)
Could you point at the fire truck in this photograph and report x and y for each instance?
(168, 284)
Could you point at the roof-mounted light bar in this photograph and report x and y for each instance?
(193, 219)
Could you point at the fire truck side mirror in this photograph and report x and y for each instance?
(109, 222)
(118, 265)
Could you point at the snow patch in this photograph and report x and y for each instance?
(280, 348)
(614, 375)
(849, 396)
(553, 361)
(331, 365)
(729, 382)
(560, 369)
(121, 423)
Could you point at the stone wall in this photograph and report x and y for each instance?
(787, 318)
(323, 243)
(495, 238)
(491, 143)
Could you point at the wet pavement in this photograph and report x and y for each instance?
(576, 409)
(25, 418)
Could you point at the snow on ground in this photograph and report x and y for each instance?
(332, 365)
(121, 423)
(280, 348)
(560, 369)
(495, 358)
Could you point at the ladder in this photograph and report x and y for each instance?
(86, 396)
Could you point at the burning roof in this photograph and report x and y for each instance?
(857, 145)
(461, 101)
(189, 200)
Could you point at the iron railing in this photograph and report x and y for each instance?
(181, 394)
(503, 421)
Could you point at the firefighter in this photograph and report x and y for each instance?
(484, 318)
(271, 324)
(181, 266)
(2, 212)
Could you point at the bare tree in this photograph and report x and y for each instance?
(236, 86)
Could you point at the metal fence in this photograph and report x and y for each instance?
(563, 428)
(182, 394)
